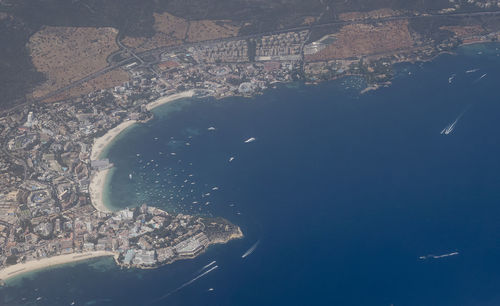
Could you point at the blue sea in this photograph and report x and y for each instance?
(353, 198)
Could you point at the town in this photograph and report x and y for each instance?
(46, 167)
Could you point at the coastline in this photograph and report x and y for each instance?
(21, 268)
(102, 142)
(98, 178)
(166, 99)
(96, 189)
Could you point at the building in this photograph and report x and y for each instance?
(191, 246)
(100, 164)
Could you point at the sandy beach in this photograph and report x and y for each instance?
(166, 99)
(98, 178)
(101, 142)
(96, 189)
(34, 265)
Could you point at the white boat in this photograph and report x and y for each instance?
(450, 79)
(231, 159)
(130, 176)
(211, 128)
(471, 71)
(251, 249)
(251, 139)
(451, 127)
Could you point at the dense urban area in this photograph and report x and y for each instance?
(46, 167)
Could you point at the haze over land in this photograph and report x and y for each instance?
(82, 52)
(78, 76)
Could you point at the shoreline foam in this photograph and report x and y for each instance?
(34, 265)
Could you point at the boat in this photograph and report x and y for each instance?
(251, 139)
(251, 249)
(471, 71)
(130, 176)
(451, 127)
(211, 128)
(231, 159)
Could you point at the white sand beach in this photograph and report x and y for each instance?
(98, 178)
(102, 142)
(20, 268)
(166, 99)
(96, 189)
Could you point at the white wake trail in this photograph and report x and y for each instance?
(206, 266)
(184, 285)
(251, 249)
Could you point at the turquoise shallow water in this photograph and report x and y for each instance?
(344, 192)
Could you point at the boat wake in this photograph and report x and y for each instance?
(480, 78)
(207, 266)
(251, 249)
(185, 284)
(450, 127)
(431, 256)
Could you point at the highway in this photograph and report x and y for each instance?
(157, 51)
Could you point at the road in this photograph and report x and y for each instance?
(156, 51)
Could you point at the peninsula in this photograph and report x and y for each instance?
(69, 221)
(52, 169)
(143, 237)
